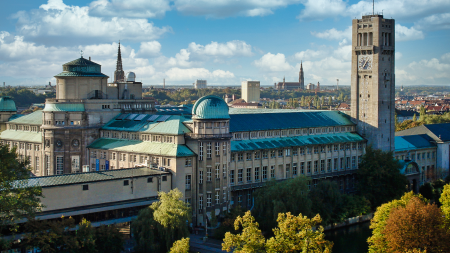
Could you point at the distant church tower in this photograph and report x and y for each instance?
(301, 78)
(119, 74)
(373, 79)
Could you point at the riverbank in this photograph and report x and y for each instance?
(349, 222)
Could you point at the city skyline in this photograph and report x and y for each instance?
(224, 42)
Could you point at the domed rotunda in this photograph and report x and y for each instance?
(210, 107)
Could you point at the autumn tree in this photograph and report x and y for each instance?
(379, 177)
(418, 225)
(18, 198)
(293, 234)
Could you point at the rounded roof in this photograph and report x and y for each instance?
(131, 76)
(7, 104)
(210, 107)
(82, 67)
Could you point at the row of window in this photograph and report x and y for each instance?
(131, 158)
(292, 132)
(136, 136)
(209, 146)
(217, 198)
(303, 168)
(295, 151)
(420, 156)
(211, 124)
(24, 128)
(218, 171)
(22, 145)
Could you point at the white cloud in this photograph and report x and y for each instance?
(403, 33)
(273, 62)
(432, 71)
(130, 8)
(321, 9)
(73, 24)
(149, 49)
(228, 49)
(310, 54)
(398, 56)
(434, 22)
(177, 74)
(226, 8)
(333, 34)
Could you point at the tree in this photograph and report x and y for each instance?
(249, 240)
(414, 117)
(109, 239)
(422, 114)
(280, 197)
(293, 234)
(418, 225)
(165, 221)
(227, 225)
(445, 201)
(298, 234)
(378, 241)
(18, 198)
(330, 101)
(180, 246)
(379, 177)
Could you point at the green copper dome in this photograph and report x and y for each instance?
(210, 107)
(7, 104)
(82, 67)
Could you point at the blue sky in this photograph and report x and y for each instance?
(222, 41)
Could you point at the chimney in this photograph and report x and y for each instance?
(89, 58)
(233, 97)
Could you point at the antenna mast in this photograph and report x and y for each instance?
(373, 7)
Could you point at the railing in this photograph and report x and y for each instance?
(208, 136)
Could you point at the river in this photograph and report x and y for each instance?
(351, 239)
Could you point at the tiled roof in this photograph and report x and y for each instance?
(411, 142)
(82, 61)
(34, 118)
(285, 119)
(87, 177)
(21, 136)
(173, 124)
(64, 107)
(295, 141)
(142, 147)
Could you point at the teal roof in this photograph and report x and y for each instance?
(94, 176)
(413, 142)
(142, 147)
(265, 119)
(7, 104)
(210, 107)
(159, 124)
(64, 108)
(34, 118)
(294, 141)
(21, 136)
(82, 67)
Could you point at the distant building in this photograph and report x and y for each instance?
(250, 91)
(200, 84)
(292, 85)
(246, 105)
(403, 115)
(310, 86)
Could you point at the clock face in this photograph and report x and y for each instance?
(59, 143)
(365, 63)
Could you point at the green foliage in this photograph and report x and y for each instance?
(17, 199)
(293, 234)
(159, 226)
(377, 242)
(433, 190)
(227, 225)
(379, 177)
(334, 206)
(25, 97)
(180, 246)
(281, 197)
(109, 239)
(445, 201)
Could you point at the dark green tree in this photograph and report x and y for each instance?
(18, 198)
(280, 197)
(145, 232)
(379, 177)
(109, 239)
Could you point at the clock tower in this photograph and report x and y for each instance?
(373, 79)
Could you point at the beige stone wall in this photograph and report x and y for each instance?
(71, 196)
(79, 87)
(250, 91)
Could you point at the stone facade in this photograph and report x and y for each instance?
(250, 91)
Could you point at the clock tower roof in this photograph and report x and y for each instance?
(82, 67)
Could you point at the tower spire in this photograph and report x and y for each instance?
(301, 78)
(119, 75)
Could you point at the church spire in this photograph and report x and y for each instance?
(119, 75)
(301, 78)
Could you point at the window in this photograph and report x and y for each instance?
(322, 166)
(348, 163)
(418, 157)
(329, 165)
(257, 155)
(359, 145)
(126, 182)
(36, 147)
(164, 178)
(149, 180)
(217, 148)
(354, 162)
(308, 167)
(200, 156)
(272, 154)
(280, 153)
(264, 173)
(224, 193)
(36, 163)
(249, 174)
(85, 187)
(322, 149)
(428, 155)
(272, 171)
(316, 150)
(240, 157)
(265, 154)
(188, 162)
(294, 169)
(342, 163)
(231, 176)
(336, 147)
(217, 197)
(288, 172)
(288, 152)
(302, 151)
(353, 146)
(208, 150)
(200, 177)
(208, 200)
(342, 146)
(256, 174)
(200, 204)
(249, 156)
(224, 146)
(188, 182)
(308, 150)
(316, 165)
(302, 168)
(295, 151)
(359, 159)
(233, 157)
(240, 172)
(208, 174)
(59, 165)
